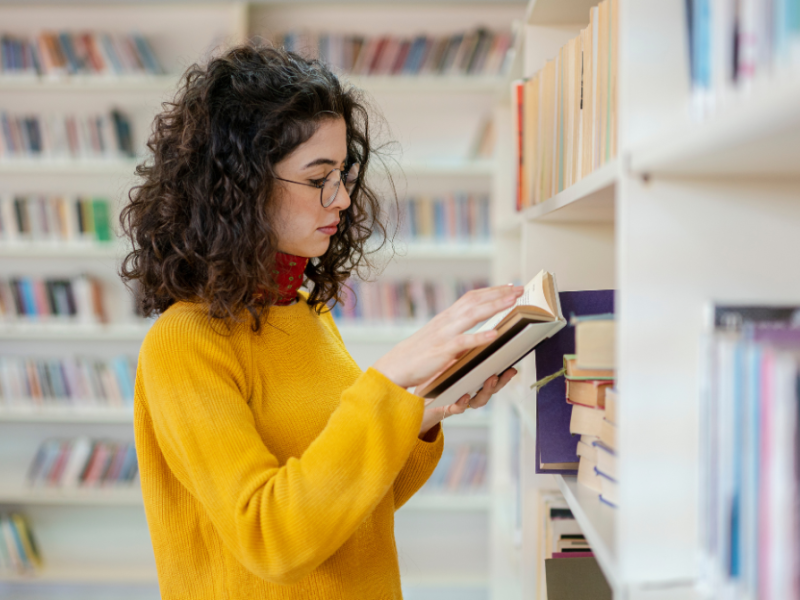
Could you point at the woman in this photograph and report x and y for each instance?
(271, 466)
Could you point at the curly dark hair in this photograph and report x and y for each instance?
(201, 220)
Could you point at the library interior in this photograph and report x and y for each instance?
(630, 167)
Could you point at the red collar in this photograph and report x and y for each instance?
(289, 273)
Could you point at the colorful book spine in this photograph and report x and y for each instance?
(54, 219)
(68, 382)
(95, 136)
(64, 53)
(405, 301)
(19, 553)
(76, 300)
(83, 463)
(477, 52)
(461, 469)
(453, 218)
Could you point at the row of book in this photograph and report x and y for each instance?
(78, 299)
(19, 553)
(565, 115)
(460, 470)
(478, 52)
(457, 217)
(66, 382)
(750, 453)
(407, 300)
(52, 218)
(83, 463)
(92, 136)
(733, 43)
(569, 569)
(60, 53)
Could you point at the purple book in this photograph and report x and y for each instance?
(555, 445)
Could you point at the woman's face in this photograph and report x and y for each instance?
(304, 226)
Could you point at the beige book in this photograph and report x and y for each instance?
(611, 406)
(585, 420)
(595, 343)
(530, 139)
(602, 75)
(588, 476)
(608, 434)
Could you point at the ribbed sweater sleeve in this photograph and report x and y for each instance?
(419, 467)
(280, 521)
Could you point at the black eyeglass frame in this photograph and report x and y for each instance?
(321, 186)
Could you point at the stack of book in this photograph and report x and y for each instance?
(55, 54)
(452, 218)
(84, 463)
(19, 553)
(92, 136)
(460, 470)
(750, 453)
(411, 300)
(479, 52)
(76, 300)
(42, 218)
(66, 382)
(565, 115)
(590, 378)
(734, 44)
(570, 569)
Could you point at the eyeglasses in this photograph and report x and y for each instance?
(329, 187)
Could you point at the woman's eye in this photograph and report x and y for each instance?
(317, 182)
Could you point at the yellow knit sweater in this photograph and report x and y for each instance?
(271, 466)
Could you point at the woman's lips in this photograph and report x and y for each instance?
(329, 229)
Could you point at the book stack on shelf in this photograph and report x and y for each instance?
(33, 299)
(83, 463)
(750, 452)
(54, 219)
(412, 300)
(95, 136)
(38, 383)
(462, 469)
(451, 218)
(478, 52)
(732, 48)
(19, 554)
(565, 115)
(56, 54)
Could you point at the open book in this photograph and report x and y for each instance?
(535, 317)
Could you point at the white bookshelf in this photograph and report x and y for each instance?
(693, 211)
(435, 120)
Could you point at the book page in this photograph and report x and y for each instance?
(532, 295)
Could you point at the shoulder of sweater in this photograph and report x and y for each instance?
(184, 325)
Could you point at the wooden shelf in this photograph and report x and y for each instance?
(596, 520)
(165, 83)
(558, 12)
(445, 251)
(133, 332)
(88, 83)
(62, 250)
(756, 134)
(589, 200)
(85, 574)
(448, 502)
(73, 497)
(65, 414)
(456, 167)
(377, 333)
(111, 166)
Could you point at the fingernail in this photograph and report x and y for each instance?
(495, 380)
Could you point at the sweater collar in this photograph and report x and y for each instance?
(289, 274)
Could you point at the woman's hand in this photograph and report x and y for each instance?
(492, 385)
(442, 341)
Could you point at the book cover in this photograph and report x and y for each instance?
(554, 443)
(575, 579)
